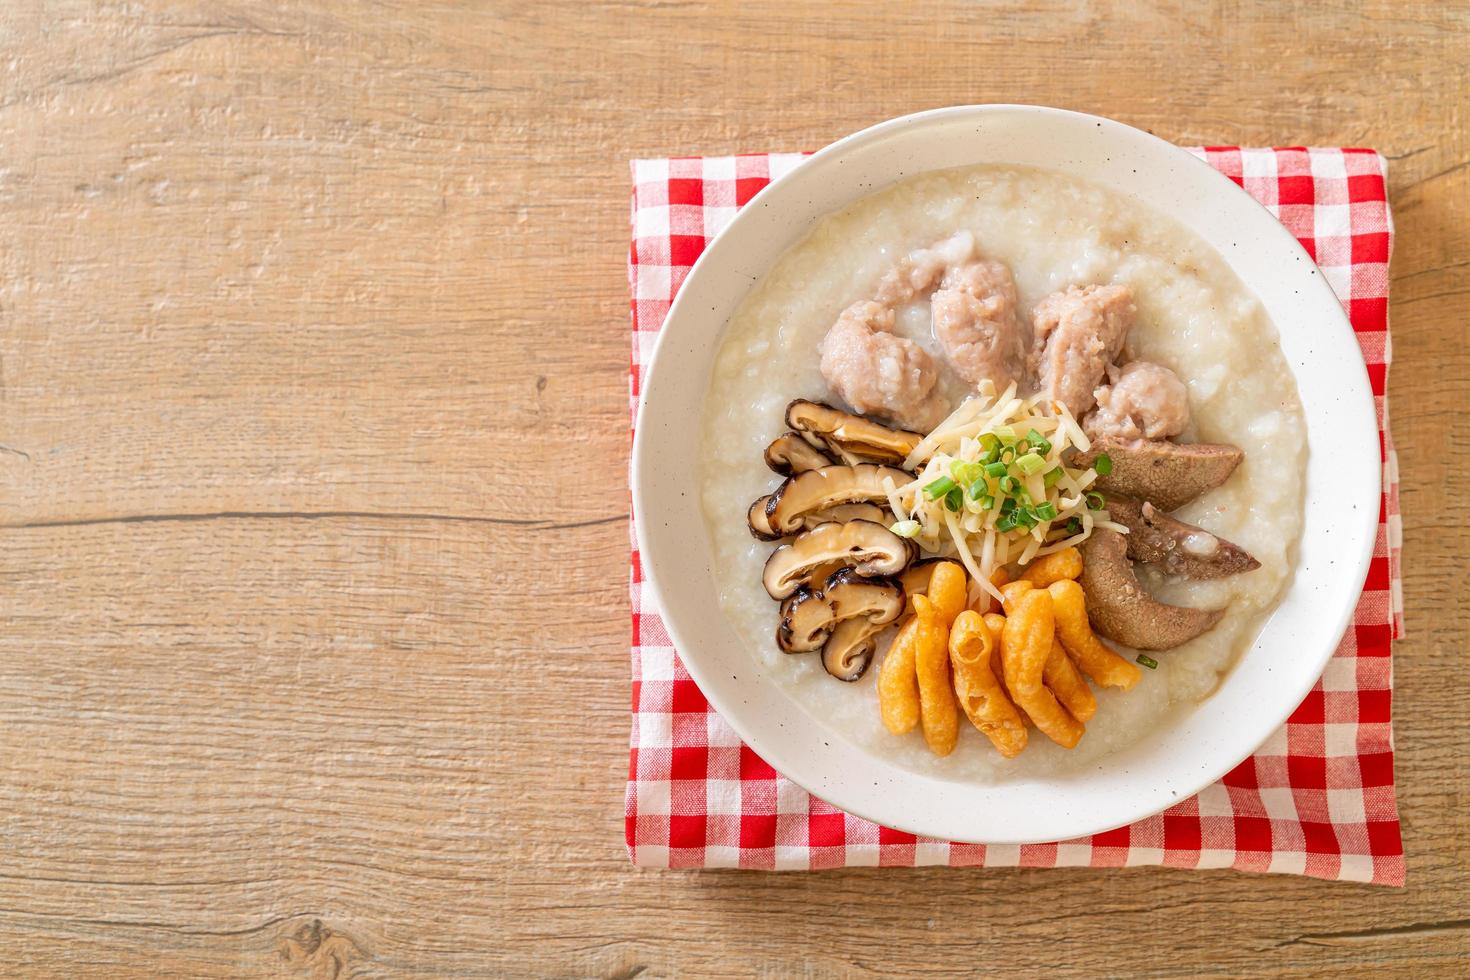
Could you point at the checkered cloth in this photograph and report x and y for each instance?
(1316, 799)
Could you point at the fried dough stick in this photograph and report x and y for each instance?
(1029, 633)
(979, 691)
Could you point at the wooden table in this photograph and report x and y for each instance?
(313, 433)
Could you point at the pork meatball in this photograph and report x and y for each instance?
(917, 272)
(1144, 401)
(975, 321)
(1078, 333)
(878, 373)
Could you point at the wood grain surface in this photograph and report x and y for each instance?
(313, 432)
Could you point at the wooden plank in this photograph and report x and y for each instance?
(313, 406)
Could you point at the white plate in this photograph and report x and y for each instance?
(1260, 691)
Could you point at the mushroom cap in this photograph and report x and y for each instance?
(806, 620)
(790, 453)
(851, 436)
(1180, 548)
(827, 487)
(808, 616)
(1166, 473)
(874, 598)
(849, 650)
(1122, 610)
(755, 519)
(760, 526)
(867, 546)
(842, 513)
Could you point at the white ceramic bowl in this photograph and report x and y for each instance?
(1259, 692)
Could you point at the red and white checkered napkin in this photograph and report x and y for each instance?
(1316, 799)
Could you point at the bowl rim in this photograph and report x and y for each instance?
(1361, 537)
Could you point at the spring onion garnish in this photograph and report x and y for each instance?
(1031, 463)
(1050, 478)
(995, 469)
(987, 502)
(1148, 661)
(939, 488)
(1103, 464)
(1095, 500)
(1009, 484)
(954, 500)
(1074, 525)
(906, 529)
(1047, 511)
(966, 473)
(1038, 442)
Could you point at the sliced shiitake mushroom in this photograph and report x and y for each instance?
(843, 513)
(849, 650)
(851, 435)
(806, 621)
(1177, 547)
(760, 527)
(875, 598)
(828, 487)
(790, 454)
(809, 616)
(864, 608)
(1166, 473)
(1122, 610)
(865, 545)
(755, 518)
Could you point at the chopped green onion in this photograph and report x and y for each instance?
(987, 502)
(965, 473)
(1074, 525)
(977, 490)
(1046, 510)
(1008, 484)
(1095, 500)
(955, 499)
(1007, 505)
(1023, 447)
(939, 488)
(1008, 455)
(905, 529)
(1031, 464)
(1051, 477)
(1005, 434)
(1103, 464)
(995, 469)
(1006, 522)
(989, 442)
(1148, 661)
(1026, 518)
(1038, 442)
